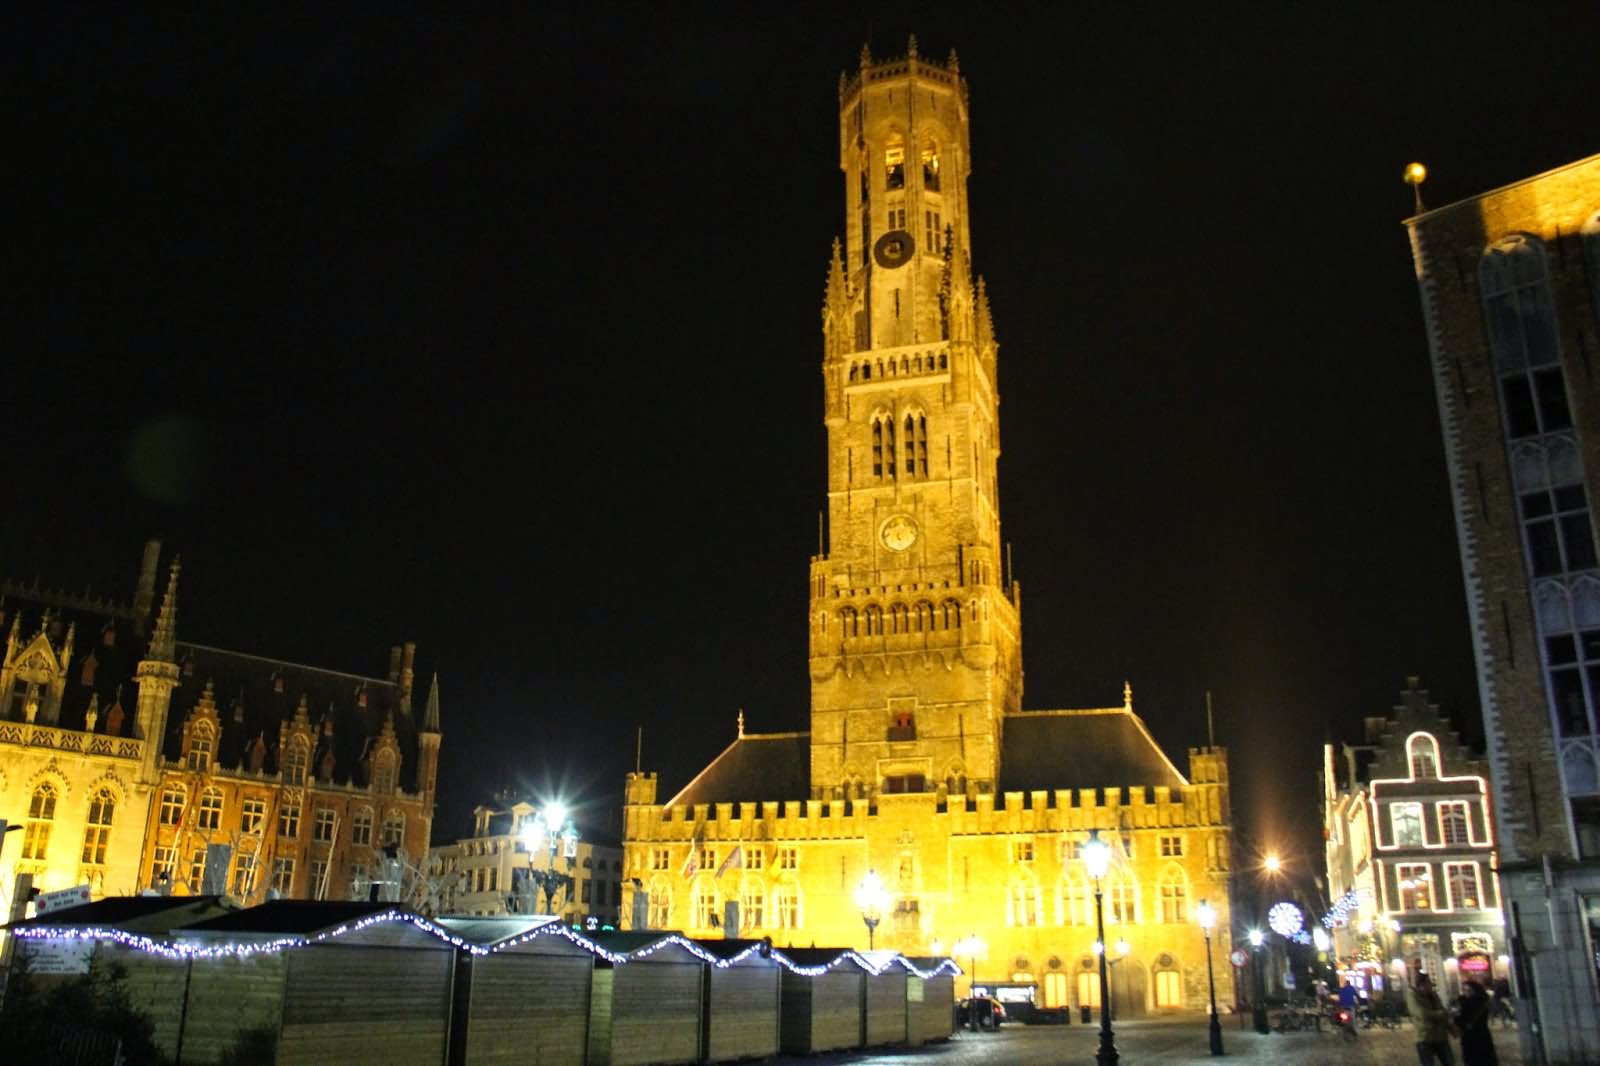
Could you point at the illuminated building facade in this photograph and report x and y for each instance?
(134, 760)
(487, 873)
(1510, 285)
(920, 764)
(1409, 838)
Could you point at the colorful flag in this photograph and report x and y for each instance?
(691, 865)
(734, 861)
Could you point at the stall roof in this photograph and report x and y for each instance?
(288, 917)
(135, 914)
(813, 958)
(489, 932)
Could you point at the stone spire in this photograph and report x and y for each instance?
(1127, 695)
(164, 640)
(430, 714)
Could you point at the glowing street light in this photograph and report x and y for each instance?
(1259, 1011)
(871, 899)
(1272, 864)
(1206, 915)
(555, 829)
(1096, 857)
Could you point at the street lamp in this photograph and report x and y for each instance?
(558, 831)
(1206, 914)
(971, 946)
(1096, 856)
(871, 897)
(1259, 1012)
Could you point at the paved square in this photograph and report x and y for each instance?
(1167, 1041)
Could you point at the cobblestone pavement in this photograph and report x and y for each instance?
(1168, 1041)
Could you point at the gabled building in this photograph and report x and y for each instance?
(1409, 835)
(921, 772)
(134, 760)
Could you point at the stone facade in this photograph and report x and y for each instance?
(1409, 835)
(135, 761)
(920, 765)
(1510, 284)
(486, 874)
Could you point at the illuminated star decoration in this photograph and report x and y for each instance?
(1285, 919)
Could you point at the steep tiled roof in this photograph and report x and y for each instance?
(1081, 749)
(755, 767)
(255, 695)
(106, 647)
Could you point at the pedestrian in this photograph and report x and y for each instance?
(1472, 1022)
(1432, 1023)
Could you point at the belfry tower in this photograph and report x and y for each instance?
(916, 637)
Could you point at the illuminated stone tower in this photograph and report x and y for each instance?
(915, 629)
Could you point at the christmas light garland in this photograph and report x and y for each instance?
(183, 950)
(1340, 912)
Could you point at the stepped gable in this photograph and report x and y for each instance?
(755, 767)
(256, 696)
(106, 644)
(1108, 748)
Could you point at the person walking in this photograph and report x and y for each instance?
(1472, 1022)
(1432, 1022)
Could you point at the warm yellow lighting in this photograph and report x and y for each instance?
(1096, 856)
(1206, 915)
(871, 895)
(1416, 174)
(1273, 864)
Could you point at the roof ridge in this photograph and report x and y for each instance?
(191, 645)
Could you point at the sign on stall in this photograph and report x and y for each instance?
(58, 956)
(76, 896)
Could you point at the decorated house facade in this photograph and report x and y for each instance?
(921, 774)
(1409, 836)
(134, 760)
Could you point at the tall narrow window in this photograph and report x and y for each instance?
(930, 166)
(1405, 823)
(894, 166)
(283, 876)
(1574, 679)
(97, 828)
(394, 829)
(199, 757)
(210, 809)
(294, 764)
(753, 906)
(1416, 887)
(877, 448)
(41, 814)
(1174, 900)
(289, 819)
(1453, 825)
(171, 805)
(1024, 903)
(1462, 879)
(1556, 524)
(361, 826)
(1424, 764)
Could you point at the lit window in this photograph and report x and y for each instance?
(171, 805)
(894, 165)
(1077, 907)
(1453, 824)
(1024, 903)
(252, 815)
(786, 907)
(97, 828)
(788, 858)
(1416, 887)
(1022, 851)
(283, 876)
(1174, 901)
(289, 819)
(930, 167)
(1424, 764)
(1462, 877)
(210, 809)
(1121, 901)
(1405, 822)
(198, 759)
(1169, 988)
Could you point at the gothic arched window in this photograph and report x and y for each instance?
(1024, 901)
(97, 827)
(930, 166)
(1076, 906)
(1422, 754)
(41, 814)
(894, 164)
(1174, 893)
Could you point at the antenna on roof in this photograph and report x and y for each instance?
(638, 750)
(1211, 729)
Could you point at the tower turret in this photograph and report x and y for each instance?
(157, 677)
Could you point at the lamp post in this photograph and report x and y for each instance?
(1096, 856)
(1259, 1011)
(870, 897)
(971, 946)
(1206, 914)
(553, 827)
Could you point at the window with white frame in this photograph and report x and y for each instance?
(1462, 878)
(289, 819)
(1174, 900)
(1077, 907)
(1415, 881)
(1121, 902)
(1454, 826)
(198, 759)
(786, 906)
(97, 828)
(322, 825)
(252, 814)
(753, 905)
(283, 876)
(1424, 762)
(171, 805)
(705, 904)
(1171, 846)
(164, 858)
(660, 906)
(210, 809)
(1405, 824)
(361, 826)
(394, 829)
(41, 817)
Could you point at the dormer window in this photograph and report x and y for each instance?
(1424, 761)
(198, 759)
(383, 775)
(294, 765)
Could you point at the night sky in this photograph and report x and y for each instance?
(502, 335)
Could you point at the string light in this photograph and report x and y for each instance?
(182, 950)
(1342, 907)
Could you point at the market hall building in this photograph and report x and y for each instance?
(920, 765)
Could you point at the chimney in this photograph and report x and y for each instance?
(394, 665)
(144, 595)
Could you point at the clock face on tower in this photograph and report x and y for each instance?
(898, 533)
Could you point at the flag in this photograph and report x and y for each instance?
(734, 861)
(691, 865)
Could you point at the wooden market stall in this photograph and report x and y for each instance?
(319, 982)
(153, 981)
(740, 1015)
(823, 994)
(646, 1002)
(885, 1004)
(930, 998)
(525, 1001)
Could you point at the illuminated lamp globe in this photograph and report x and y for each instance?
(1206, 915)
(1256, 937)
(1096, 857)
(1415, 174)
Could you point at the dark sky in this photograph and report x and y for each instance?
(501, 334)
